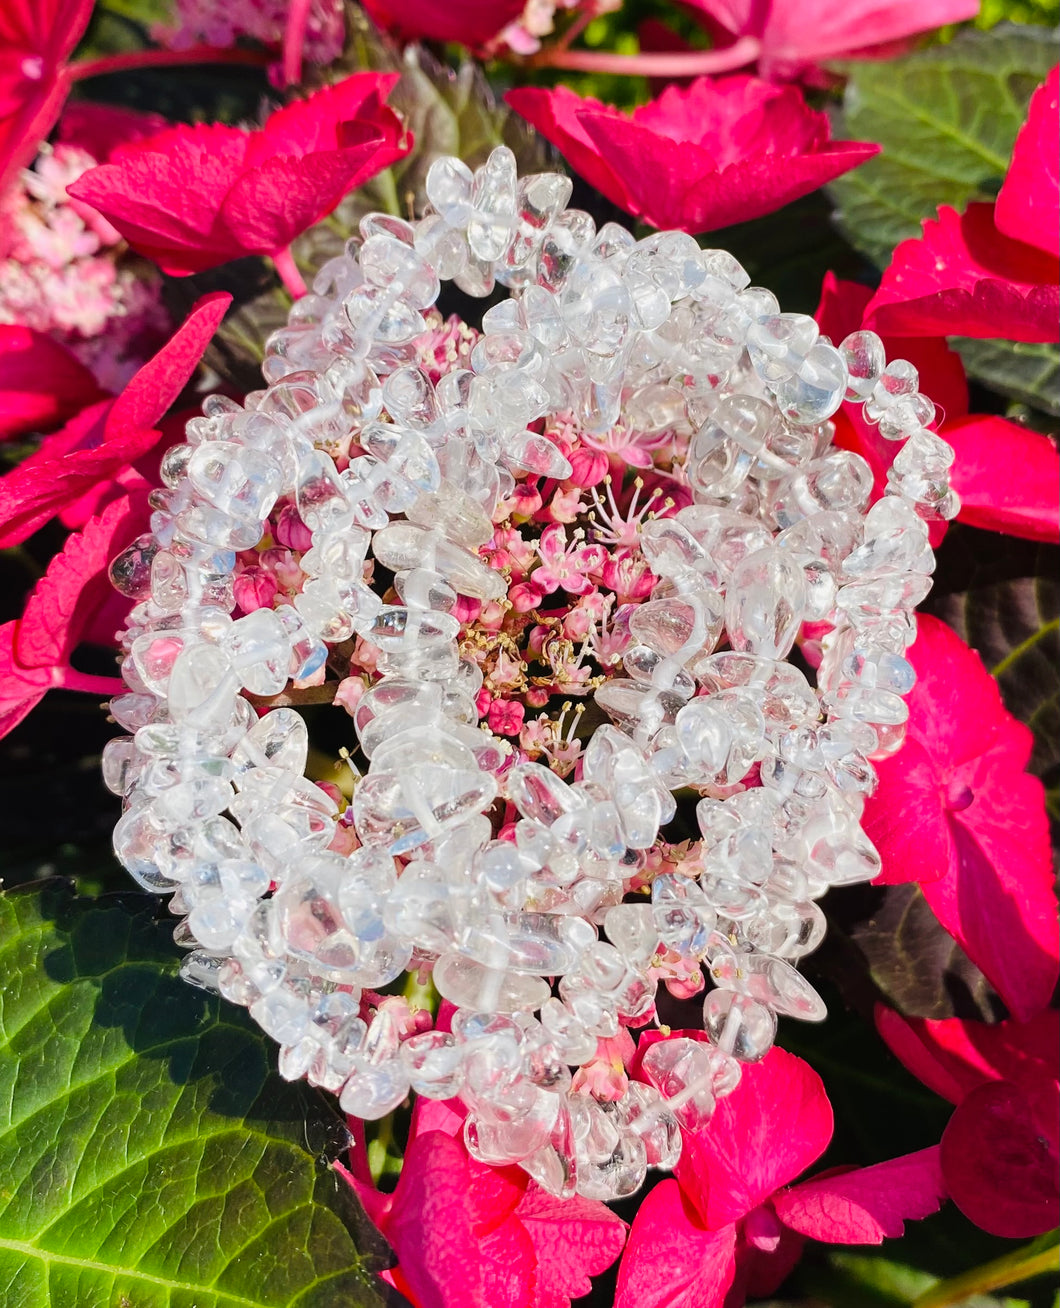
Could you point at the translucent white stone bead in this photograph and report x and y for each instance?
(739, 1025)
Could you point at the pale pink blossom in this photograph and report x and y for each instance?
(349, 694)
(604, 1076)
(505, 717)
(225, 22)
(566, 565)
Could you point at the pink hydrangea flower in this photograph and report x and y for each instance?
(64, 276)
(102, 442)
(1007, 475)
(506, 717)
(730, 1220)
(566, 565)
(993, 270)
(250, 192)
(604, 1075)
(468, 1235)
(956, 811)
(792, 38)
(699, 157)
(1000, 1152)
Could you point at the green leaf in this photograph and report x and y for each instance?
(149, 1154)
(1027, 371)
(917, 966)
(869, 1281)
(1030, 1260)
(1001, 595)
(947, 118)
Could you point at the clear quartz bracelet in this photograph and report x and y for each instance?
(534, 938)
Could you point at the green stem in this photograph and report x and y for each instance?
(1031, 1260)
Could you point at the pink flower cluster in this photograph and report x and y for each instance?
(224, 22)
(65, 274)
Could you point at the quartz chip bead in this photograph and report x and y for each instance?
(839, 481)
(898, 381)
(682, 914)
(769, 981)
(815, 391)
(764, 604)
(238, 481)
(615, 1169)
(259, 651)
(895, 540)
(469, 984)
(779, 345)
(739, 1025)
(865, 358)
(434, 1063)
(379, 1080)
(644, 1111)
(689, 1074)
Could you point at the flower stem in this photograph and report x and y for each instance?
(196, 54)
(70, 679)
(322, 694)
(1032, 1259)
(294, 41)
(685, 63)
(283, 262)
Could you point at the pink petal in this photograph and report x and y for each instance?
(955, 708)
(958, 783)
(101, 442)
(509, 1266)
(1028, 205)
(759, 1272)
(964, 278)
(21, 689)
(429, 1225)
(907, 819)
(772, 1127)
(556, 115)
(99, 129)
(471, 23)
(573, 1239)
(153, 389)
(164, 194)
(41, 383)
(63, 602)
(35, 492)
(757, 186)
(1001, 1162)
(194, 197)
(707, 156)
(670, 1260)
(998, 901)
(37, 36)
(864, 1206)
(269, 205)
(316, 122)
(1008, 477)
(793, 36)
(953, 1056)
